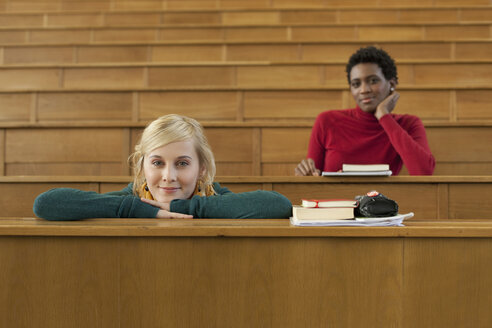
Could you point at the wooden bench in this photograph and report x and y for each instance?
(430, 198)
(244, 273)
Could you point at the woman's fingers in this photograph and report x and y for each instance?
(306, 167)
(163, 214)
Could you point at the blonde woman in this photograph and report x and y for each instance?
(174, 170)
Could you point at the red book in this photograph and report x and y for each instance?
(326, 203)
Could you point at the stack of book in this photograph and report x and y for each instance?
(324, 210)
(361, 170)
(338, 212)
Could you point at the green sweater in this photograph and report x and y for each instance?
(64, 204)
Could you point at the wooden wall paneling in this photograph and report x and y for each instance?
(368, 16)
(125, 35)
(138, 5)
(85, 5)
(461, 32)
(59, 36)
(333, 33)
(38, 55)
(469, 200)
(15, 107)
(191, 34)
(21, 20)
(108, 77)
(234, 168)
(191, 4)
(473, 50)
(61, 151)
(308, 16)
(241, 187)
(476, 14)
(179, 76)
(284, 145)
(410, 15)
(419, 50)
(206, 105)
(459, 3)
(109, 187)
(106, 106)
(293, 76)
(74, 20)
(32, 6)
(56, 278)
(256, 33)
(473, 104)
(2, 152)
(231, 144)
(289, 104)
(192, 18)
(460, 168)
(242, 4)
(394, 33)
(328, 52)
(458, 268)
(132, 19)
(295, 4)
(426, 104)
(270, 52)
(256, 151)
(126, 150)
(279, 169)
(29, 78)
(456, 74)
(63, 169)
(460, 144)
(422, 199)
(15, 206)
(210, 273)
(335, 75)
(443, 201)
(186, 53)
(251, 18)
(13, 37)
(404, 3)
(112, 54)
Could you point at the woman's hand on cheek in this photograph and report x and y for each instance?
(164, 212)
(387, 105)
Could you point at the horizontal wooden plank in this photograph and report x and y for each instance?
(65, 168)
(185, 53)
(84, 106)
(12, 207)
(112, 54)
(460, 144)
(15, 107)
(59, 145)
(191, 76)
(104, 78)
(199, 105)
(295, 104)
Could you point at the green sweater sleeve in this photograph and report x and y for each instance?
(66, 204)
(259, 204)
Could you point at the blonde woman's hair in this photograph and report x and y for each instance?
(168, 129)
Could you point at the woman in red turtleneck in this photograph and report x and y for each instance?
(369, 133)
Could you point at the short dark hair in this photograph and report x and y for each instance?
(373, 55)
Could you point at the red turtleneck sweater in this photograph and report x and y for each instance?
(352, 136)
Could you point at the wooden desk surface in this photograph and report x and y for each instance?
(243, 273)
(235, 228)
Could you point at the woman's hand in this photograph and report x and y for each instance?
(387, 105)
(165, 212)
(307, 167)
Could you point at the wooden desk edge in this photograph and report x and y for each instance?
(236, 228)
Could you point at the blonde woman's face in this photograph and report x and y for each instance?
(172, 171)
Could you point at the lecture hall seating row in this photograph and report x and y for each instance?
(249, 149)
(429, 198)
(457, 14)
